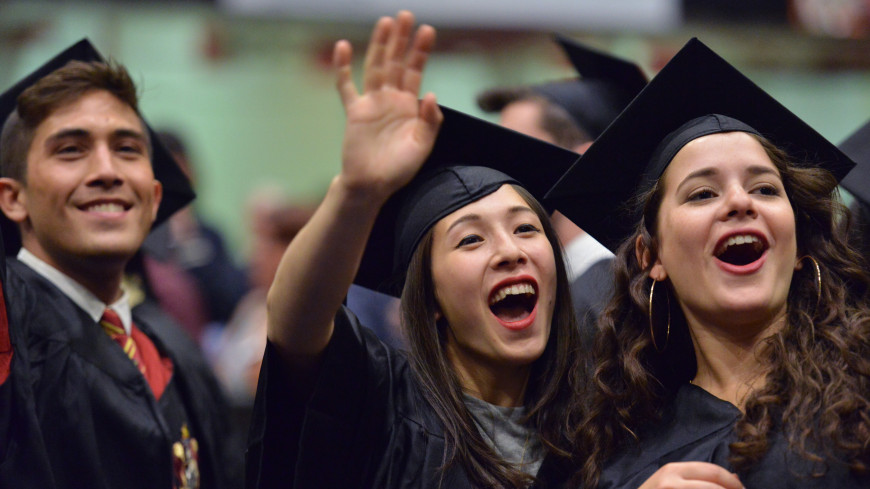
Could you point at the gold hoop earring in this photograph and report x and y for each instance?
(652, 333)
(818, 279)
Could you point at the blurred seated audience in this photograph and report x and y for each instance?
(187, 264)
(237, 351)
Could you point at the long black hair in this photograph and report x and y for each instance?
(547, 394)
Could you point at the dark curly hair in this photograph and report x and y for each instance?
(818, 364)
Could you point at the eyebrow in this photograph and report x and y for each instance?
(129, 133)
(68, 133)
(476, 217)
(82, 133)
(753, 170)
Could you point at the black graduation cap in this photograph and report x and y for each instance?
(857, 147)
(606, 86)
(177, 191)
(695, 83)
(471, 159)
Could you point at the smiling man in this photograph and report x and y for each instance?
(84, 195)
(121, 400)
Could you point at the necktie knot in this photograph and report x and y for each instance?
(111, 323)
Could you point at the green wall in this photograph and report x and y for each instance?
(264, 111)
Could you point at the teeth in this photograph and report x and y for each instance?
(516, 289)
(105, 208)
(739, 240)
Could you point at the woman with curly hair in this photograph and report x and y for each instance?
(738, 337)
(479, 400)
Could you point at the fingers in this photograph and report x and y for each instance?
(695, 475)
(389, 62)
(424, 41)
(430, 113)
(430, 117)
(341, 55)
(373, 68)
(712, 473)
(395, 58)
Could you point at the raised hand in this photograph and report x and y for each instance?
(389, 132)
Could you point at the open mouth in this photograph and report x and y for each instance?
(741, 249)
(513, 302)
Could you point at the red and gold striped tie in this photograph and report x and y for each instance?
(112, 325)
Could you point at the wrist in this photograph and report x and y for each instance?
(360, 196)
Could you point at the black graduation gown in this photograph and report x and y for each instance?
(100, 425)
(23, 458)
(699, 427)
(366, 424)
(590, 293)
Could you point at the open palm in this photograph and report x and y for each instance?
(388, 132)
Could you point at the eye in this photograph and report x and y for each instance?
(768, 189)
(469, 240)
(701, 194)
(130, 148)
(69, 149)
(526, 228)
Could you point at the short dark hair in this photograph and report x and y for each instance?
(57, 89)
(555, 120)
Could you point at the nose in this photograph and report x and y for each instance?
(508, 251)
(104, 169)
(738, 203)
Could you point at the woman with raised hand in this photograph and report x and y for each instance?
(738, 338)
(452, 224)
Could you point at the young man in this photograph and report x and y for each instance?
(120, 400)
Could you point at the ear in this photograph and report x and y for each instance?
(644, 256)
(13, 200)
(799, 261)
(158, 196)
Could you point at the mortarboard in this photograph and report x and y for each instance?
(177, 191)
(471, 158)
(606, 85)
(857, 147)
(629, 154)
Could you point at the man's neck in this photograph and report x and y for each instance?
(78, 293)
(106, 287)
(100, 277)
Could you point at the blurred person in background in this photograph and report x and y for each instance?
(379, 310)
(237, 351)
(857, 182)
(187, 264)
